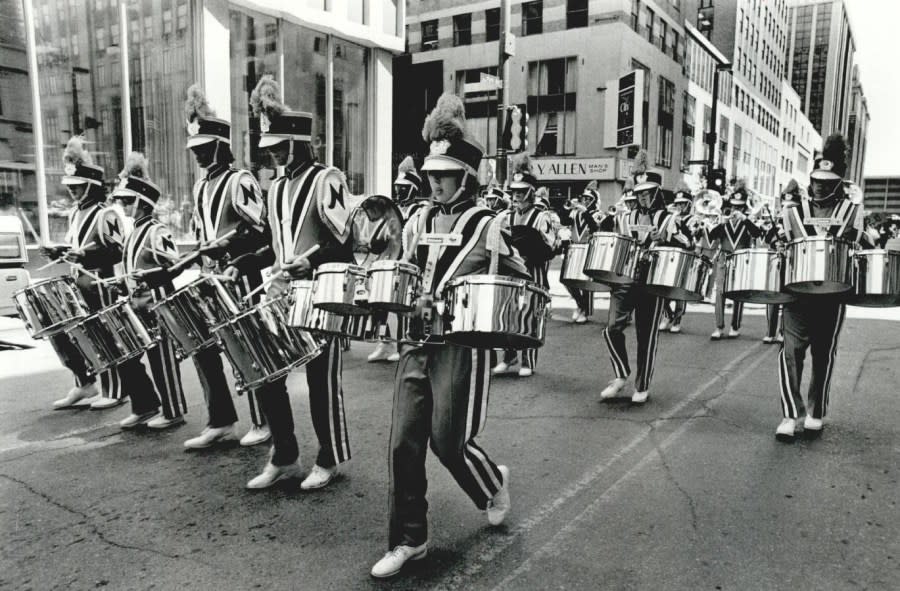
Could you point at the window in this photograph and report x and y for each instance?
(492, 24)
(462, 29)
(576, 14)
(687, 129)
(651, 26)
(532, 18)
(167, 22)
(676, 46)
(665, 122)
(663, 35)
(635, 16)
(552, 86)
(645, 108)
(351, 113)
(182, 15)
(429, 35)
(481, 107)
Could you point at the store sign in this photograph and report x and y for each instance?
(575, 169)
(624, 111)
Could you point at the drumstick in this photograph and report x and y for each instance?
(193, 255)
(96, 278)
(275, 276)
(218, 276)
(62, 260)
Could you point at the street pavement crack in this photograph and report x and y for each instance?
(692, 507)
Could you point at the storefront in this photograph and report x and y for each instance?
(567, 177)
(98, 59)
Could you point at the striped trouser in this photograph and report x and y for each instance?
(441, 395)
(674, 310)
(648, 310)
(326, 406)
(584, 299)
(809, 323)
(539, 274)
(772, 316)
(164, 366)
(737, 312)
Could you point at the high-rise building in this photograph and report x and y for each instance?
(857, 131)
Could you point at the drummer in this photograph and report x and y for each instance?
(308, 205)
(674, 310)
(649, 224)
(534, 238)
(581, 214)
(441, 390)
(148, 250)
(774, 237)
(226, 199)
(94, 239)
(734, 232)
(814, 321)
(408, 189)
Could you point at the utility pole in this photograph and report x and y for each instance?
(502, 92)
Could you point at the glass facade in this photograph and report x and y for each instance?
(351, 112)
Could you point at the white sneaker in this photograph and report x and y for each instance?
(161, 422)
(105, 402)
(580, 317)
(768, 340)
(575, 314)
(785, 430)
(394, 357)
(498, 507)
(256, 435)
(75, 395)
(675, 328)
(391, 563)
(640, 397)
(779, 338)
(381, 353)
(811, 424)
(733, 334)
(612, 390)
(525, 372)
(133, 421)
(716, 335)
(504, 367)
(664, 324)
(272, 474)
(318, 477)
(211, 435)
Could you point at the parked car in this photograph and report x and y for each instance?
(13, 257)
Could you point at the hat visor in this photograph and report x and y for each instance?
(402, 181)
(446, 163)
(824, 175)
(267, 140)
(199, 140)
(519, 185)
(77, 180)
(681, 200)
(125, 193)
(646, 186)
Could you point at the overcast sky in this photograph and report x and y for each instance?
(874, 24)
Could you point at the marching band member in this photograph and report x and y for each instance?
(649, 223)
(226, 200)
(441, 390)
(814, 321)
(534, 238)
(408, 189)
(674, 310)
(775, 237)
(308, 205)
(148, 249)
(94, 239)
(733, 233)
(584, 224)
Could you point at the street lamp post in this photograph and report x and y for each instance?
(502, 92)
(712, 136)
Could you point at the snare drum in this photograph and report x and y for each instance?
(755, 275)
(112, 336)
(678, 274)
(818, 265)
(612, 258)
(302, 314)
(393, 286)
(190, 313)
(495, 312)
(341, 288)
(50, 305)
(262, 347)
(572, 272)
(876, 279)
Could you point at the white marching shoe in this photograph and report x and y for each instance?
(675, 328)
(381, 353)
(210, 436)
(640, 397)
(394, 357)
(133, 420)
(391, 563)
(785, 430)
(664, 324)
(579, 317)
(733, 333)
(525, 372)
(504, 367)
(612, 390)
(499, 506)
(75, 395)
(768, 340)
(318, 477)
(256, 435)
(811, 424)
(272, 474)
(716, 335)
(105, 402)
(160, 422)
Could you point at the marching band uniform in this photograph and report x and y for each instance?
(583, 227)
(674, 310)
(149, 247)
(96, 232)
(640, 224)
(226, 199)
(309, 205)
(814, 321)
(441, 390)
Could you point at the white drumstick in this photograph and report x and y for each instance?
(275, 276)
(218, 276)
(48, 265)
(96, 278)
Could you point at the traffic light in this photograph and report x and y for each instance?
(515, 133)
(706, 19)
(716, 180)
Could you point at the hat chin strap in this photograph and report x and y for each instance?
(459, 192)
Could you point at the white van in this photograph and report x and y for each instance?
(13, 257)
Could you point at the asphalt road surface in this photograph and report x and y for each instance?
(690, 491)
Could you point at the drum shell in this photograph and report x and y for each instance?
(112, 336)
(678, 274)
(755, 275)
(393, 286)
(340, 288)
(818, 265)
(612, 258)
(492, 312)
(876, 279)
(572, 272)
(189, 314)
(47, 307)
(302, 314)
(262, 347)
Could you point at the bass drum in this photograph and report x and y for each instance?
(612, 258)
(495, 312)
(678, 274)
(876, 279)
(756, 275)
(48, 306)
(112, 336)
(818, 265)
(572, 272)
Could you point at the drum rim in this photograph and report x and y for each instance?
(753, 250)
(880, 251)
(63, 278)
(386, 265)
(487, 279)
(827, 238)
(613, 234)
(341, 267)
(242, 313)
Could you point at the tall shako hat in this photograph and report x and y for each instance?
(590, 195)
(445, 130)
(542, 198)
(522, 173)
(134, 182)
(276, 122)
(831, 164)
(203, 126)
(628, 190)
(644, 179)
(791, 192)
(78, 165)
(683, 194)
(739, 193)
(407, 174)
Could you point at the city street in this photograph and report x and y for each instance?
(690, 491)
